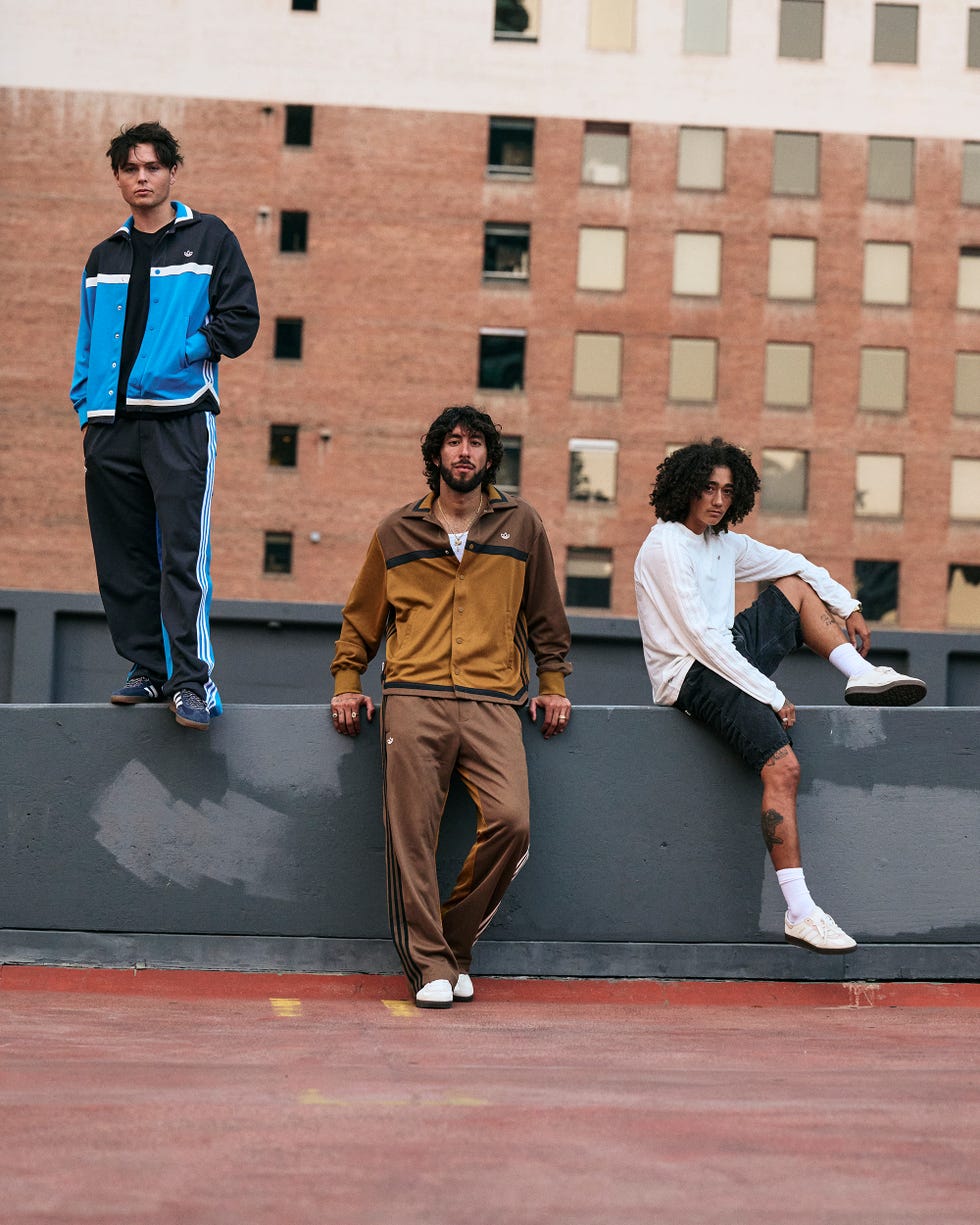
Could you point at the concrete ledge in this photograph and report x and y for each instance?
(125, 840)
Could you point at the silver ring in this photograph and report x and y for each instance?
(335, 715)
(354, 715)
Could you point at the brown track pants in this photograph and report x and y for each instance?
(422, 741)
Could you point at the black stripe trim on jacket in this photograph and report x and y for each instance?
(497, 550)
(416, 555)
(410, 687)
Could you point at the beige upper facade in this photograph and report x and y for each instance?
(627, 226)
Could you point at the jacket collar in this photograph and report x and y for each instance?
(182, 215)
(496, 500)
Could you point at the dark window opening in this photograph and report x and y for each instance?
(292, 231)
(511, 147)
(509, 472)
(282, 445)
(502, 361)
(877, 589)
(299, 125)
(506, 252)
(289, 338)
(278, 553)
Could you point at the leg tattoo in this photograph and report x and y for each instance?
(770, 820)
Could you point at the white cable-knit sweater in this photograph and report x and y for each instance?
(685, 599)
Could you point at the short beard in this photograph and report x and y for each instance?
(466, 485)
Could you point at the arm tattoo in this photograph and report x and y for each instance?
(770, 820)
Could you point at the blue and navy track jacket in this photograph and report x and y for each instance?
(202, 306)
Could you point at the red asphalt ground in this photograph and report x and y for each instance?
(185, 1098)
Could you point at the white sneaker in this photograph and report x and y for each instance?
(884, 687)
(437, 994)
(819, 932)
(463, 991)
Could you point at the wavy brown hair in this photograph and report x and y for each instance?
(474, 422)
(683, 476)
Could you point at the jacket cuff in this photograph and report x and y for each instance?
(551, 683)
(346, 680)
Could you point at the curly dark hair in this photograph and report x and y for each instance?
(474, 422)
(683, 475)
(153, 133)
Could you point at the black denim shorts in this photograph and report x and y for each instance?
(765, 633)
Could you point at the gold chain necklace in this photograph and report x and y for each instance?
(457, 537)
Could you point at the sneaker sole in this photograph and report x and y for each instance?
(813, 948)
(123, 701)
(463, 999)
(433, 1004)
(899, 694)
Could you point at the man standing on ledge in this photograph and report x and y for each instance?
(460, 585)
(716, 667)
(163, 299)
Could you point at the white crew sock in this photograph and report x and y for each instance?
(849, 660)
(799, 904)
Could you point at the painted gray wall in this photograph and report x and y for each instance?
(125, 839)
(54, 647)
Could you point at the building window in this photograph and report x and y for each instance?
(693, 371)
(601, 259)
(598, 366)
(509, 472)
(511, 147)
(793, 269)
(282, 445)
(502, 359)
(896, 33)
(887, 273)
(299, 125)
(878, 486)
(789, 375)
(697, 265)
(784, 481)
(611, 25)
(801, 29)
(973, 38)
(966, 398)
(506, 252)
(706, 27)
(289, 338)
(592, 469)
(701, 159)
(292, 231)
(304, 6)
(516, 19)
(968, 283)
(970, 189)
(963, 597)
(588, 578)
(891, 168)
(606, 154)
(877, 589)
(884, 376)
(278, 553)
(795, 164)
(964, 493)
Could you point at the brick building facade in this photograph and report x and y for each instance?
(607, 285)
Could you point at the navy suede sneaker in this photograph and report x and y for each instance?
(138, 688)
(191, 711)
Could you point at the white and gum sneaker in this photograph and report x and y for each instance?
(884, 687)
(819, 933)
(437, 994)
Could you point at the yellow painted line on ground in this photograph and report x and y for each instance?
(287, 1008)
(401, 1008)
(313, 1097)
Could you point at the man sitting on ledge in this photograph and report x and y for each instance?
(716, 667)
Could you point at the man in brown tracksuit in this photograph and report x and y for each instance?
(460, 585)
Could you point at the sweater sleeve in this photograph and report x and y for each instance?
(365, 618)
(674, 591)
(759, 562)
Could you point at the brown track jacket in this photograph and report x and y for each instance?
(457, 629)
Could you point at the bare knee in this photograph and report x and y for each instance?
(782, 770)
